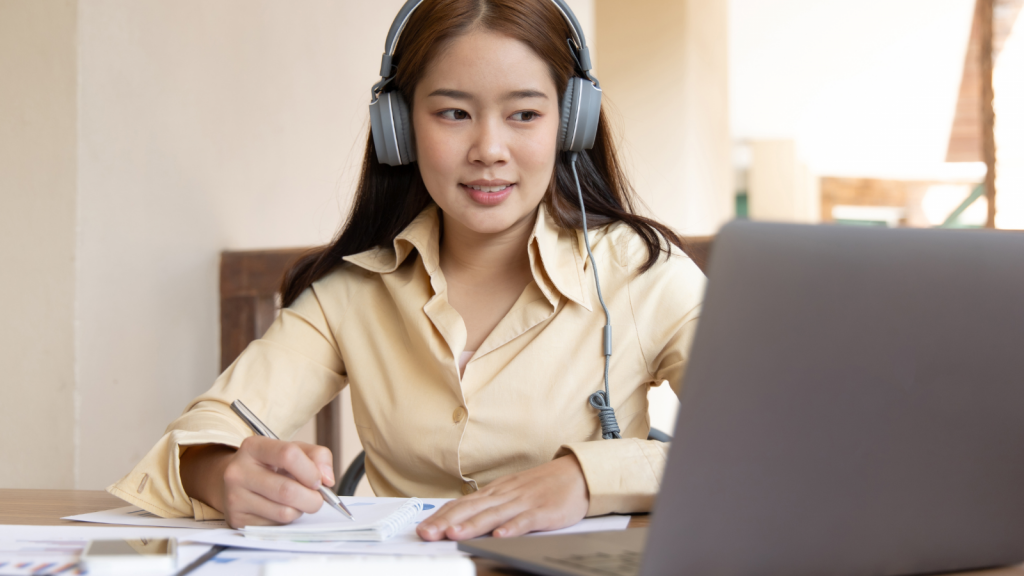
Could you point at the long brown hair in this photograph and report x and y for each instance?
(388, 198)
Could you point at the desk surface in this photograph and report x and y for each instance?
(46, 507)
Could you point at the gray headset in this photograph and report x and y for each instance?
(389, 114)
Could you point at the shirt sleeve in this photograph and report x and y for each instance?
(284, 377)
(624, 475)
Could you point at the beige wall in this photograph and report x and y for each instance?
(37, 242)
(205, 126)
(664, 70)
(780, 186)
(663, 65)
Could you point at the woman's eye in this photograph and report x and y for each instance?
(454, 114)
(525, 116)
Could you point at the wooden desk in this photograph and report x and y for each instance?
(46, 507)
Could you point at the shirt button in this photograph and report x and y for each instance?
(459, 414)
(467, 488)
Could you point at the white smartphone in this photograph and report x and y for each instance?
(143, 556)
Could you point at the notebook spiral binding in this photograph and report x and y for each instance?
(401, 518)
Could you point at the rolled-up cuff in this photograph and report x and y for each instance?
(155, 483)
(202, 511)
(623, 476)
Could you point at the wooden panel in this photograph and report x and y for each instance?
(965, 139)
(255, 272)
(237, 327)
(865, 192)
(698, 248)
(907, 194)
(249, 284)
(46, 507)
(328, 433)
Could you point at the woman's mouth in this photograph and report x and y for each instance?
(488, 195)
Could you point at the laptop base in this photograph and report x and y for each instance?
(613, 553)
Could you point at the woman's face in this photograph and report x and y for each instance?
(486, 117)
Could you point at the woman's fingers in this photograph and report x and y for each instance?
(262, 467)
(524, 523)
(455, 513)
(251, 509)
(284, 457)
(550, 496)
(486, 520)
(324, 460)
(281, 489)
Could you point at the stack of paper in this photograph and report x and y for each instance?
(46, 550)
(372, 524)
(376, 565)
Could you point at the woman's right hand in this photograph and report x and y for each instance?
(263, 482)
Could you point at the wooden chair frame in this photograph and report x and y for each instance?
(249, 302)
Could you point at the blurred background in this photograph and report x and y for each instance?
(142, 139)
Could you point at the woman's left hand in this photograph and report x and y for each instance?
(548, 497)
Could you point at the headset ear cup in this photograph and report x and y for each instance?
(377, 130)
(581, 111)
(382, 124)
(403, 128)
(589, 115)
(566, 110)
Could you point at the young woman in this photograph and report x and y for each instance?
(458, 304)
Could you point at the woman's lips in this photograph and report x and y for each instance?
(488, 198)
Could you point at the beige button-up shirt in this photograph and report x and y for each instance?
(381, 324)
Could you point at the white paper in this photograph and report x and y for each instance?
(598, 524)
(404, 543)
(365, 515)
(55, 549)
(245, 562)
(135, 516)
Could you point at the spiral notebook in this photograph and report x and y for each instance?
(374, 522)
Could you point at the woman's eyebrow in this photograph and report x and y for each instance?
(513, 95)
(449, 93)
(521, 94)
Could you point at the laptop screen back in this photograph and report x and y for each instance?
(854, 405)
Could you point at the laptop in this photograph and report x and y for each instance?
(854, 405)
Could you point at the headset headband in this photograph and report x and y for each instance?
(395, 32)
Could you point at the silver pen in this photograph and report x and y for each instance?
(260, 428)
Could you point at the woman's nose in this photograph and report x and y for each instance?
(489, 145)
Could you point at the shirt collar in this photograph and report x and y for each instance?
(423, 234)
(557, 257)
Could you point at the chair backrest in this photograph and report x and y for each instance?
(698, 248)
(249, 301)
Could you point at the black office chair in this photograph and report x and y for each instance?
(356, 470)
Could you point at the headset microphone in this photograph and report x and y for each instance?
(580, 110)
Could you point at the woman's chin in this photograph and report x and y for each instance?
(492, 220)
